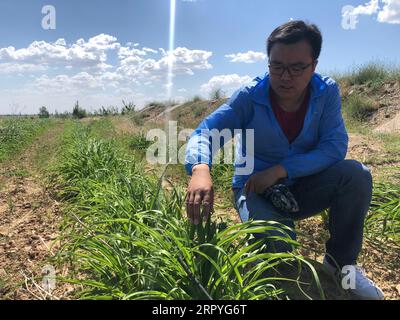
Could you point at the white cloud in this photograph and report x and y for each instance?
(111, 76)
(8, 68)
(64, 84)
(350, 14)
(368, 9)
(390, 12)
(125, 52)
(82, 54)
(90, 58)
(112, 79)
(134, 65)
(247, 57)
(82, 69)
(60, 42)
(228, 83)
(150, 50)
(82, 82)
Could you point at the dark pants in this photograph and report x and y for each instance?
(345, 188)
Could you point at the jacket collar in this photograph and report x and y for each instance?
(260, 92)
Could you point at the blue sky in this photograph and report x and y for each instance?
(104, 51)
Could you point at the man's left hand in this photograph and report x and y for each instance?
(260, 181)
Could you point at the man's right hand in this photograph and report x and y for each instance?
(200, 193)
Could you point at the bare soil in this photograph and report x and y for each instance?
(29, 225)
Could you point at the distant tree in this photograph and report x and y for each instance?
(127, 107)
(217, 94)
(78, 112)
(43, 113)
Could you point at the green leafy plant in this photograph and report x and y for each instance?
(130, 238)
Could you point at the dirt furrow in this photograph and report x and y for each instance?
(29, 221)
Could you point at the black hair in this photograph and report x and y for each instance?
(295, 31)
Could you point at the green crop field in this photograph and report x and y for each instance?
(79, 195)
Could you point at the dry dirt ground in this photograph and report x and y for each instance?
(29, 224)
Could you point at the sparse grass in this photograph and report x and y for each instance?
(371, 73)
(47, 150)
(139, 141)
(17, 172)
(198, 110)
(137, 118)
(102, 128)
(391, 141)
(157, 104)
(391, 144)
(383, 220)
(394, 74)
(358, 108)
(16, 133)
(389, 174)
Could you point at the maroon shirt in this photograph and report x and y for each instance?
(290, 122)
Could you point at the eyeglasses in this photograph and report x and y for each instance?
(294, 70)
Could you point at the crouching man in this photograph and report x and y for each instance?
(300, 141)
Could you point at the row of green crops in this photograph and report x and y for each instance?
(383, 220)
(128, 238)
(15, 133)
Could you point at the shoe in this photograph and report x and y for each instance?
(364, 288)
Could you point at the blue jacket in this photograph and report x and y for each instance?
(322, 142)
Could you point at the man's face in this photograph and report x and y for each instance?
(297, 55)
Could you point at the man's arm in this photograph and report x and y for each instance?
(229, 116)
(332, 145)
(199, 154)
